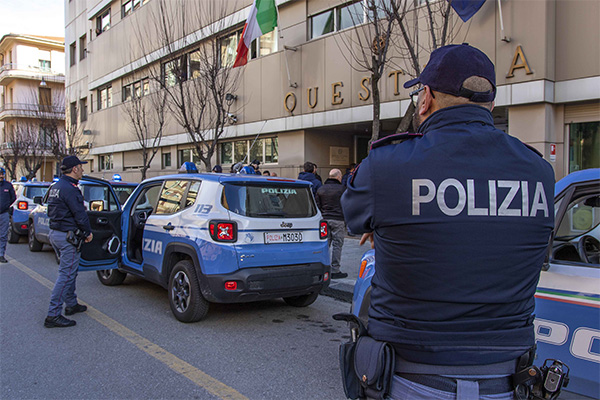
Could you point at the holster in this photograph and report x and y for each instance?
(75, 238)
(367, 365)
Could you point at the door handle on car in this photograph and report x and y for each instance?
(102, 221)
(168, 227)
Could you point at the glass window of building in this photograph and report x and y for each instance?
(73, 113)
(103, 22)
(145, 86)
(256, 152)
(226, 153)
(105, 162)
(350, 15)
(194, 64)
(263, 150)
(137, 89)
(584, 142)
(126, 93)
(187, 155)
(240, 151)
(322, 24)
(264, 45)
(72, 53)
(45, 65)
(228, 46)
(105, 98)
(166, 160)
(174, 71)
(83, 109)
(271, 150)
(82, 47)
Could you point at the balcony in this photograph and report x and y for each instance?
(10, 72)
(26, 110)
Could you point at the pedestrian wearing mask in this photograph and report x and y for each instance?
(67, 215)
(7, 197)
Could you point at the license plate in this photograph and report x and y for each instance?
(283, 237)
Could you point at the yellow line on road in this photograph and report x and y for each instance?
(181, 367)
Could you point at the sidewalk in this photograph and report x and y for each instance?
(342, 289)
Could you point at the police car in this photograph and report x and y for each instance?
(567, 324)
(212, 238)
(38, 221)
(22, 207)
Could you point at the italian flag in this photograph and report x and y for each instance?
(262, 19)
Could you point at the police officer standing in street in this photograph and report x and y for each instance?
(67, 216)
(460, 228)
(7, 197)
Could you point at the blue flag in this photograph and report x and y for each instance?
(466, 8)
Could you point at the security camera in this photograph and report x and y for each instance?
(231, 118)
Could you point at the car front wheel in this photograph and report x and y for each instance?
(111, 277)
(34, 244)
(185, 297)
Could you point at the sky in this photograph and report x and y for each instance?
(34, 17)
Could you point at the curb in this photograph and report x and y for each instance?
(341, 289)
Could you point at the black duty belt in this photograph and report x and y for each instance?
(447, 384)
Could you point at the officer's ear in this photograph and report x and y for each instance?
(427, 105)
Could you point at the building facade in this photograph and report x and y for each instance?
(301, 97)
(32, 107)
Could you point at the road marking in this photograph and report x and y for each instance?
(181, 367)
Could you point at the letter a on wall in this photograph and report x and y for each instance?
(516, 64)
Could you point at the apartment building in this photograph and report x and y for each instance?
(302, 97)
(32, 112)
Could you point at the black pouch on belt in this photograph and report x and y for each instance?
(374, 363)
(74, 238)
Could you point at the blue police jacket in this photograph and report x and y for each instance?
(461, 217)
(65, 207)
(312, 178)
(248, 169)
(7, 196)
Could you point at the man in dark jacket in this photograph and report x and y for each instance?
(328, 199)
(460, 229)
(7, 197)
(67, 214)
(309, 175)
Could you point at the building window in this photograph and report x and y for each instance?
(103, 22)
(584, 142)
(72, 52)
(187, 155)
(83, 109)
(45, 65)
(82, 47)
(45, 99)
(264, 45)
(166, 160)
(136, 89)
(174, 71)
(73, 114)
(264, 150)
(129, 6)
(105, 98)
(228, 46)
(105, 162)
(194, 64)
(336, 19)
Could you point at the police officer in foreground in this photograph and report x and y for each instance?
(7, 197)
(460, 215)
(67, 216)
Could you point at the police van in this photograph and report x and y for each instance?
(212, 238)
(567, 324)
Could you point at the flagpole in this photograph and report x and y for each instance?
(287, 66)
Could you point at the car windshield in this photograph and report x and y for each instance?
(34, 191)
(269, 200)
(581, 217)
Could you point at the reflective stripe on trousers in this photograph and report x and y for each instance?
(64, 288)
(403, 389)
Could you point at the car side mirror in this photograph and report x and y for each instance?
(97, 205)
(37, 199)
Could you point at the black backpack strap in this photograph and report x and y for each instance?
(395, 138)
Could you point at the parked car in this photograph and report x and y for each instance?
(567, 324)
(91, 190)
(22, 207)
(211, 238)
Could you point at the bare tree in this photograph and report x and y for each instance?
(394, 34)
(367, 48)
(14, 150)
(146, 116)
(191, 72)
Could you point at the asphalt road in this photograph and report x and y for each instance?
(128, 345)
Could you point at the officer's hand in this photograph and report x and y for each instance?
(364, 238)
(89, 238)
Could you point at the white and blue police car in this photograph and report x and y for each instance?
(212, 238)
(567, 324)
(25, 191)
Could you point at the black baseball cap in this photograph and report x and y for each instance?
(71, 161)
(255, 162)
(449, 66)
